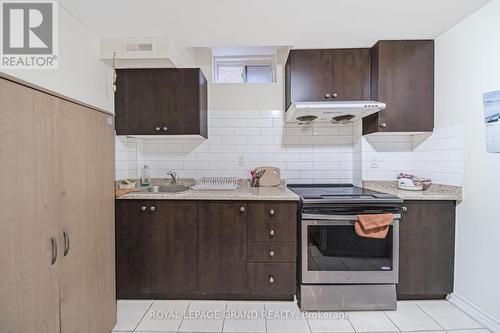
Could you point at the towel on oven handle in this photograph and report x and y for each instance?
(373, 225)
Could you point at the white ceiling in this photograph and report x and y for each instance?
(298, 23)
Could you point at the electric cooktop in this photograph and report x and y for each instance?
(339, 193)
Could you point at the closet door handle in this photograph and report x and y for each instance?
(53, 242)
(66, 243)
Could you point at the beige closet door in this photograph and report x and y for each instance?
(29, 283)
(102, 175)
(86, 159)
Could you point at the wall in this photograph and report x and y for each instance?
(81, 75)
(437, 156)
(467, 65)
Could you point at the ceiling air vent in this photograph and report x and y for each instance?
(138, 47)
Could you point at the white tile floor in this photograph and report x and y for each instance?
(276, 317)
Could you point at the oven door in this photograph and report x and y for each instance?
(333, 253)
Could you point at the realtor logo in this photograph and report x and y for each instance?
(29, 35)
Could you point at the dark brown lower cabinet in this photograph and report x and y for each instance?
(156, 244)
(427, 250)
(205, 249)
(222, 247)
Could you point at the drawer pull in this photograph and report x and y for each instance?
(242, 209)
(271, 253)
(152, 208)
(271, 233)
(271, 212)
(271, 279)
(143, 208)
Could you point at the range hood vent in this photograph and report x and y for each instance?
(337, 112)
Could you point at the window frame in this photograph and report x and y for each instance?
(244, 62)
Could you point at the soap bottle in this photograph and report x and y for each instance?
(145, 176)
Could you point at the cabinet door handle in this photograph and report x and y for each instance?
(66, 243)
(335, 95)
(165, 128)
(157, 128)
(242, 209)
(404, 209)
(152, 208)
(53, 242)
(383, 125)
(271, 279)
(271, 253)
(271, 233)
(143, 208)
(327, 95)
(271, 212)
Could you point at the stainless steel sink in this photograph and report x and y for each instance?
(174, 188)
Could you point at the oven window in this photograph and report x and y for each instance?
(339, 248)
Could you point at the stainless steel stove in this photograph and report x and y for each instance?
(340, 270)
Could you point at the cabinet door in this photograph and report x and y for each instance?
(173, 268)
(133, 247)
(427, 249)
(140, 101)
(88, 294)
(73, 130)
(351, 74)
(222, 247)
(183, 112)
(311, 75)
(403, 78)
(29, 283)
(102, 227)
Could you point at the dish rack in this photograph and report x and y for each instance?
(216, 184)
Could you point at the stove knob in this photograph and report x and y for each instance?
(271, 233)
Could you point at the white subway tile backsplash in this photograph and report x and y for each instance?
(260, 123)
(234, 123)
(319, 153)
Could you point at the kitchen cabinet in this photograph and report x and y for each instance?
(427, 250)
(57, 244)
(156, 245)
(402, 76)
(206, 252)
(161, 101)
(222, 247)
(327, 74)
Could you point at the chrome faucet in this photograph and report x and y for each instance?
(173, 175)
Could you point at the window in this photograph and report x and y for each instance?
(244, 69)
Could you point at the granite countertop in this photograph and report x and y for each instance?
(435, 192)
(244, 192)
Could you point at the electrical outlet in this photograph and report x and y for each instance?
(241, 160)
(373, 162)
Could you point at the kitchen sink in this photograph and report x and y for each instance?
(174, 188)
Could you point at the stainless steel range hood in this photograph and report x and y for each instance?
(331, 111)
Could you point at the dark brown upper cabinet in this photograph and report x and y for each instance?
(403, 78)
(327, 74)
(161, 101)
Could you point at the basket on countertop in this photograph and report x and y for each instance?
(216, 184)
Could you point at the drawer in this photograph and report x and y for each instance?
(271, 252)
(271, 232)
(271, 279)
(267, 212)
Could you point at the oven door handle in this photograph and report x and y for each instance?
(337, 217)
